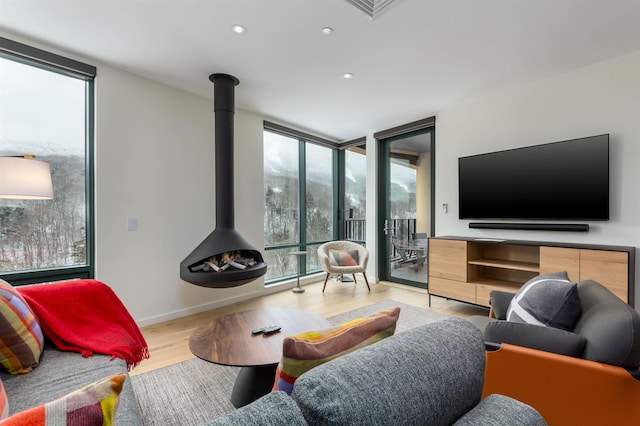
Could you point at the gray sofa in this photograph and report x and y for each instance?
(60, 373)
(429, 375)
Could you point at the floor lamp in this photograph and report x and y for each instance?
(25, 178)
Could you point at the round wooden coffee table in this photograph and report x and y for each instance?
(227, 340)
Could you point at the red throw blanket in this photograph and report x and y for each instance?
(86, 316)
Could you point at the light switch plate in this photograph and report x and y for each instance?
(132, 224)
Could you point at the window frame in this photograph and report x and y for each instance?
(28, 55)
(303, 139)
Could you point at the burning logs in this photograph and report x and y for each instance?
(223, 262)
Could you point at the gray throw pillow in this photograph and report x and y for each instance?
(550, 300)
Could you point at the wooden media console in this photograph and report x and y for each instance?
(468, 269)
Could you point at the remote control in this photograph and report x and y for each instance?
(271, 329)
(257, 331)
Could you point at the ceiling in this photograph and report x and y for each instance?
(412, 60)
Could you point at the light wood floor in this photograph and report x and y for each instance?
(169, 341)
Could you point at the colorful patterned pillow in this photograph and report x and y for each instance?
(343, 257)
(4, 406)
(21, 339)
(95, 404)
(304, 351)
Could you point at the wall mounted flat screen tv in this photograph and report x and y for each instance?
(566, 180)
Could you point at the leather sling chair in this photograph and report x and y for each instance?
(585, 377)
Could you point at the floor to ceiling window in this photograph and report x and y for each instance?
(46, 110)
(355, 194)
(318, 201)
(299, 191)
(281, 194)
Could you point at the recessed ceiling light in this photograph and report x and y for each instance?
(239, 29)
(327, 31)
(347, 75)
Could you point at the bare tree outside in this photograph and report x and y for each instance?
(283, 215)
(355, 197)
(355, 184)
(319, 201)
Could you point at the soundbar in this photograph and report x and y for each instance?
(569, 227)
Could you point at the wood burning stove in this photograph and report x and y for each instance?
(225, 258)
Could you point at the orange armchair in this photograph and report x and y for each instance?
(588, 376)
(565, 390)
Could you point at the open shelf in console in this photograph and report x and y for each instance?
(500, 277)
(488, 256)
(500, 266)
(507, 264)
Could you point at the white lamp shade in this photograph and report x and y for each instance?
(25, 179)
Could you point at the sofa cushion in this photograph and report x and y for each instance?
(305, 351)
(21, 339)
(275, 408)
(92, 405)
(500, 410)
(550, 300)
(431, 374)
(343, 257)
(61, 373)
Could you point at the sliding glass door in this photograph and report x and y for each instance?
(405, 207)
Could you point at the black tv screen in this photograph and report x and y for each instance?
(566, 180)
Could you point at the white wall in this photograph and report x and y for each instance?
(155, 163)
(602, 98)
(372, 231)
(154, 148)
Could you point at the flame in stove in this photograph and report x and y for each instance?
(228, 257)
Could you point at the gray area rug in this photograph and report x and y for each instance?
(195, 391)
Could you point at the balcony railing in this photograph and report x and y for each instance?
(403, 229)
(355, 230)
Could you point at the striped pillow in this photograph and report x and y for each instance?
(304, 351)
(343, 257)
(21, 339)
(93, 405)
(549, 300)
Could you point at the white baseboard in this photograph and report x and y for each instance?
(274, 288)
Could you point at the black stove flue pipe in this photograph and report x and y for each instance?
(224, 109)
(224, 238)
